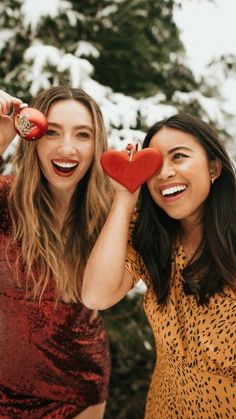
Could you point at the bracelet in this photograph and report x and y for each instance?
(1, 160)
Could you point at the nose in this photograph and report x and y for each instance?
(167, 171)
(66, 146)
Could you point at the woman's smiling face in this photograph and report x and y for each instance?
(184, 181)
(66, 151)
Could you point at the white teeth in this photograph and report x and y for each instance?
(173, 189)
(65, 165)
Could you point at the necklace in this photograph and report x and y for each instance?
(189, 255)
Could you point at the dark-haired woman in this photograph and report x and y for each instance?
(183, 245)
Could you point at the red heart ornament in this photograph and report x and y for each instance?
(31, 124)
(131, 173)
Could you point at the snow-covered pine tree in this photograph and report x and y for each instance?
(126, 54)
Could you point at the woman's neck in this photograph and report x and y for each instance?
(191, 238)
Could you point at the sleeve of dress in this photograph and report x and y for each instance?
(134, 263)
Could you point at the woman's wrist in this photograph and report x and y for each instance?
(125, 201)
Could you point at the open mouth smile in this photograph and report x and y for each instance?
(173, 191)
(64, 167)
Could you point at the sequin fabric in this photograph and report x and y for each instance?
(195, 372)
(54, 361)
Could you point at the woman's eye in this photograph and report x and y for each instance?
(83, 134)
(51, 132)
(179, 155)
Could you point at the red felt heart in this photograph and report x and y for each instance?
(131, 173)
(31, 124)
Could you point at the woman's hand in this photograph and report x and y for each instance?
(9, 107)
(123, 195)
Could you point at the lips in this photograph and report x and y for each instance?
(171, 191)
(63, 167)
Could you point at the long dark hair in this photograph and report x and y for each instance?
(155, 232)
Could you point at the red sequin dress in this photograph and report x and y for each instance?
(53, 362)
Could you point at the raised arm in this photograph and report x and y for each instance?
(105, 280)
(8, 103)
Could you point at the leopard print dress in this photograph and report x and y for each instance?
(195, 372)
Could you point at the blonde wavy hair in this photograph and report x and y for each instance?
(46, 251)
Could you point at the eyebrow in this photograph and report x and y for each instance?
(180, 147)
(56, 125)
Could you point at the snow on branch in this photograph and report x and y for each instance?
(5, 36)
(209, 105)
(86, 49)
(152, 109)
(34, 11)
(79, 68)
(42, 56)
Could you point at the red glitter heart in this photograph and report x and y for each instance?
(131, 173)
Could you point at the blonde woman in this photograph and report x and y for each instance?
(54, 357)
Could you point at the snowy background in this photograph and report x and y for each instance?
(127, 54)
(207, 30)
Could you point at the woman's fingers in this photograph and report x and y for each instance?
(17, 108)
(8, 102)
(5, 106)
